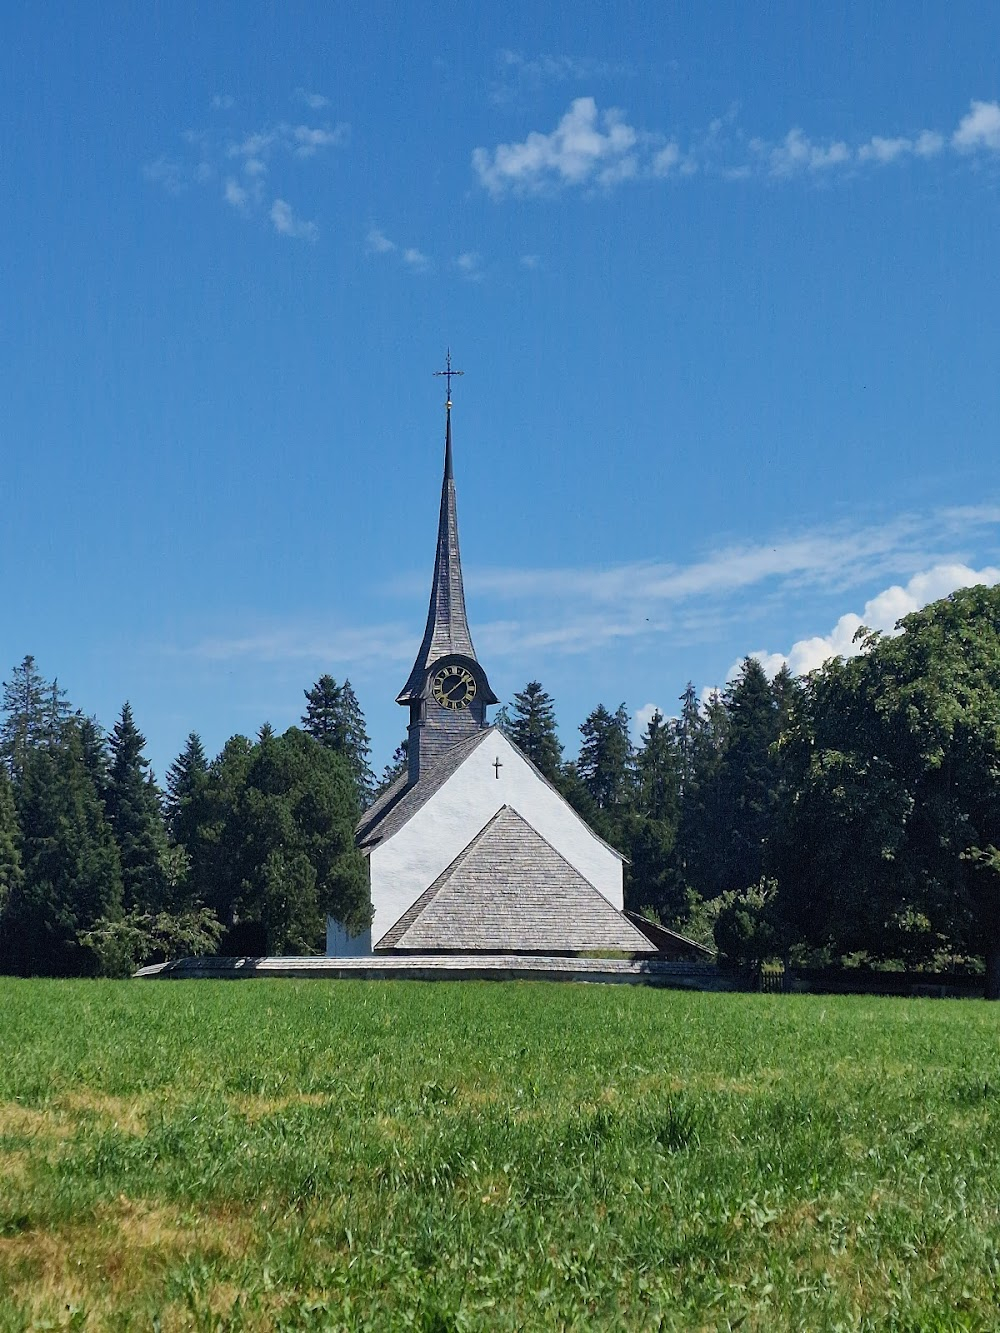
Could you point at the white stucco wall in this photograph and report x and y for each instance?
(339, 944)
(409, 862)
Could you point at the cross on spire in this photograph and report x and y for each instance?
(448, 373)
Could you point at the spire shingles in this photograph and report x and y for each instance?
(447, 629)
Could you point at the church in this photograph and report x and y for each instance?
(472, 850)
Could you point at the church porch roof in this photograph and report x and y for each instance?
(510, 891)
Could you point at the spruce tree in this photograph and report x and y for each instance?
(25, 699)
(71, 876)
(135, 814)
(10, 845)
(394, 769)
(532, 728)
(333, 717)
(605, 766)
(654, 877)
(187, 783)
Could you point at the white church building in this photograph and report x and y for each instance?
(472, 850)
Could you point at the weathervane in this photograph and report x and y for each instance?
(448, 373)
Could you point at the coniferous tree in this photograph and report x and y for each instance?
(10, 846)
(333, 717)
(654, 877)
(136, 817)
(71, 876)
(532, 728)
(501, 720)
(279, 853)
(393, 770)
(187, 783)
(747, 775)
(25, 703)
(606, 769)
(94, 751)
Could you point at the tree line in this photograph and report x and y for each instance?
(849, 815)
(101, 869)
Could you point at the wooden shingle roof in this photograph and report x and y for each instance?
(510, 891)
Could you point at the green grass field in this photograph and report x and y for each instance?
(282, 1154)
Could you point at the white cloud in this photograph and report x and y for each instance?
(584, 147)
(883, 151)
(416, 259)
(223, 102)
(979, 128)
(234, 193)
(286, 223)
(517, 72)
(242, 163)
(665, 159)
(797, 153)
(642, 717)
(166, 172)
(531, 261)
(314, 101)
(881, 612)
(469, 265)
(589, 148)
(309, 139)
(928, 143)
(377, 243)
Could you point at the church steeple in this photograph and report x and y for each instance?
(447, 629)
(447, 691)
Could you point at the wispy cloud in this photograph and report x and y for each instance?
(287, 223)
(416, 259)
(291, 643)
(377, 243)
(314, 101)
(223, 102)
(244, 163)
(469, 265)
(595, 149)
(517, 73)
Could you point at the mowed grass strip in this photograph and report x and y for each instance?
(281, 1155)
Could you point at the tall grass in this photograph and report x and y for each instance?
(395, 1155)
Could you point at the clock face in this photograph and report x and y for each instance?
(454, 687)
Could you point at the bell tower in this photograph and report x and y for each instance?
(447, 691)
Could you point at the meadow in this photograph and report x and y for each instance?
(310, 1155)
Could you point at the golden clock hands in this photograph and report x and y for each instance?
(460, 686)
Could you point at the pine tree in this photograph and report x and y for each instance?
(606, 768)
(187, 786)
(606, 759)
(748, 776)
(333, 717)
(654, 878)
(532, 728)
(71, 876)
(25, 705)
(658, 771)
(94, 750)
(10, 845)
(393, 770)
(135, 814)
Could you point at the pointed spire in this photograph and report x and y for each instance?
(447, 629)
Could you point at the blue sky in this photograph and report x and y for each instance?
(723, 281)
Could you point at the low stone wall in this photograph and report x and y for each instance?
(449, 967)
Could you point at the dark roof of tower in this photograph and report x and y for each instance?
(510, 891)
(447, 629)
